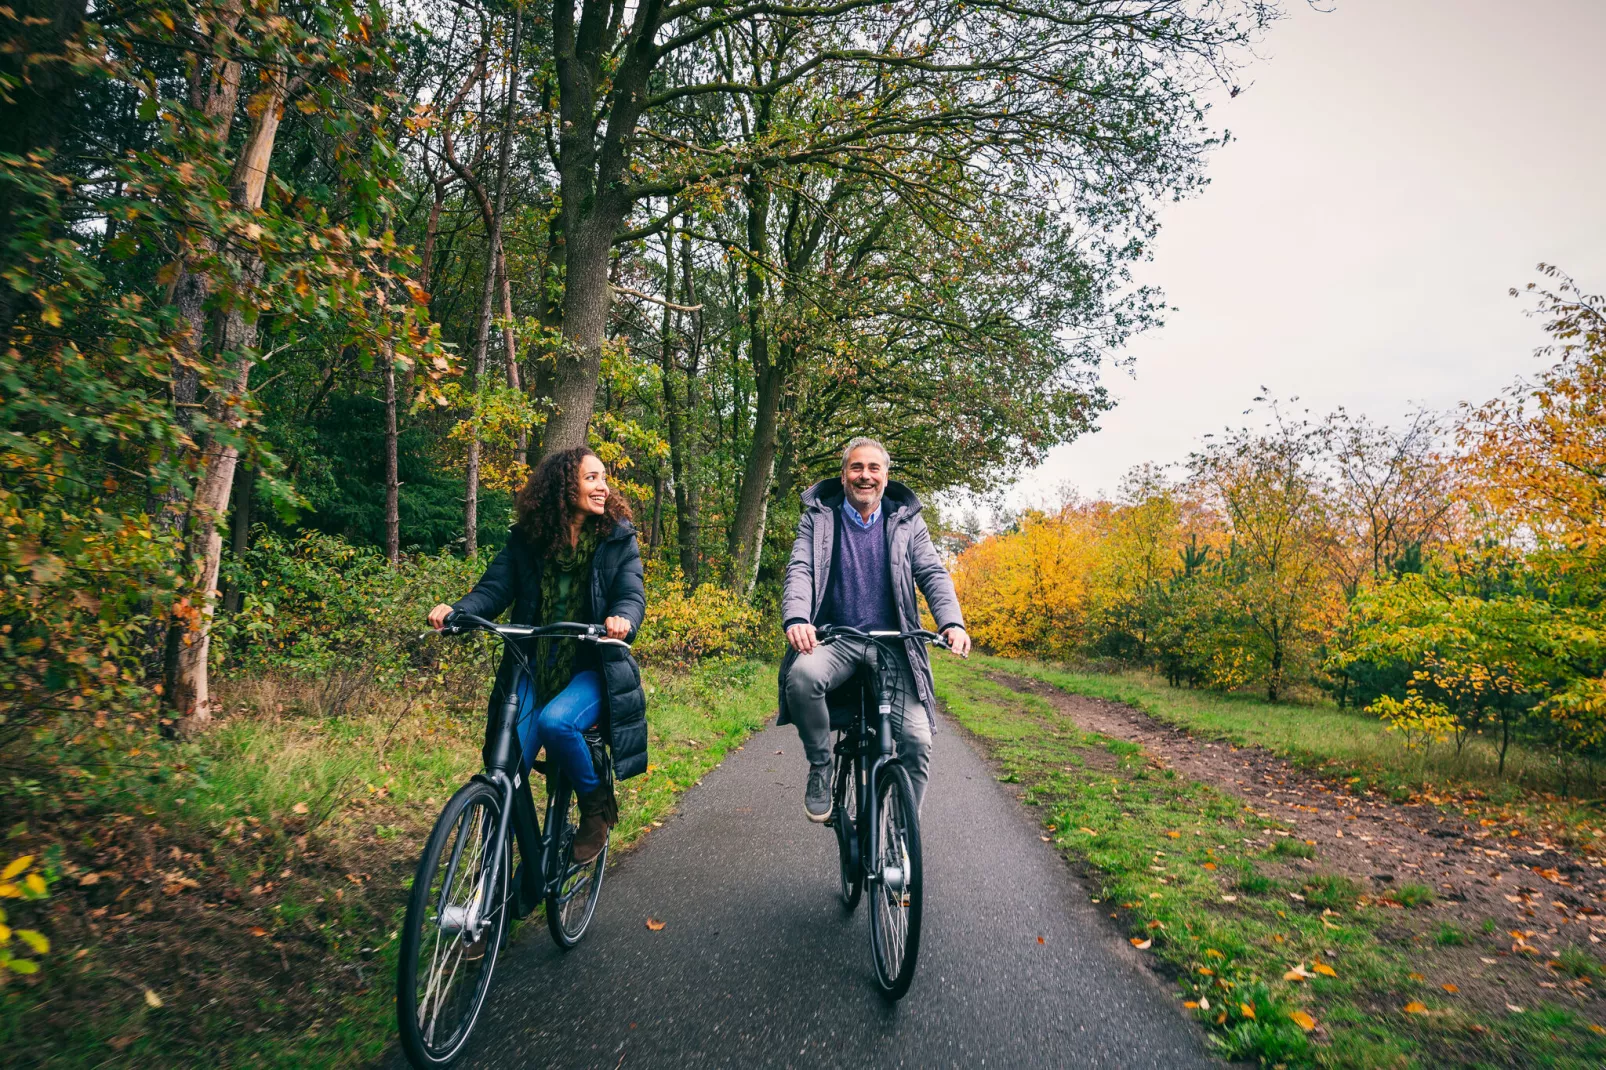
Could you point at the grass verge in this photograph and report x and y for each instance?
(1352, 745)
(241, 908)
(1284, 971)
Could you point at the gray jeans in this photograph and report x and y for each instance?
(812, 676)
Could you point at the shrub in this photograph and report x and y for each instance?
(710, 622)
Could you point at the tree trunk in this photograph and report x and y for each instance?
(493, 251)
(240, 532)
(752, 500)
(578, 363)
(392, 482)
(186, 688)
(656, 534)
(688, 528)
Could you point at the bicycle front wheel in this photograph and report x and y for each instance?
(570, 907)
(895, 884)
(456, 918)
(845, 798)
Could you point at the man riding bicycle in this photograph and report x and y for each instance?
(861, 550)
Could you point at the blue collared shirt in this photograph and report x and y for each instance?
(853, 515)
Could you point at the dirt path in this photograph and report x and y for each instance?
(1541, 899)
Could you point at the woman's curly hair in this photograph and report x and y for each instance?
(545, 505)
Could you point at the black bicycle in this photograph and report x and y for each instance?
(878, 829)
(466, 889)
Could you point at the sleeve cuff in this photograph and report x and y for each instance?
(794, 620)
(956, 624)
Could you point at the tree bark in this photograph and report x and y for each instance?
(392, 482)
(240, 531)
(752, 499)
(688, 528)
(493, 250)
(186, 683)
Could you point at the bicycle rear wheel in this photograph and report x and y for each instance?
(569, 909)
(894, 876)
(453, 930)
(851, 877)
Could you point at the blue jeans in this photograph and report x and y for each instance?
(559, 726)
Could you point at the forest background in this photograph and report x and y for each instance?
(292, 296)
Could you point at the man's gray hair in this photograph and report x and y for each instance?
(861, 440)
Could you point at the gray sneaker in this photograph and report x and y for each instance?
(817, 796)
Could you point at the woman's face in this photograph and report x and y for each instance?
(591, 492)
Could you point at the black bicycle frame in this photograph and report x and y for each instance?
(503, 761)
(864, 793)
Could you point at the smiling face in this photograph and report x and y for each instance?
(864, 478)
(591, 486)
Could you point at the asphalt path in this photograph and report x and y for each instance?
(757, 964)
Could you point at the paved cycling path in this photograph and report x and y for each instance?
(758, 966)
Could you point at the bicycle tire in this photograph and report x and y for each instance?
(463, 841)
(850, 874)
(570, 908)
(895, 910)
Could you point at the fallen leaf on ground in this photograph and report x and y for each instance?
(1513, 1008)
(1212, 953)
(1303, 1020)
(654, 924)
(1229, 899)
(1174, 835)
(1039, 939)
(1247, 1009)
(1452, 989)
(1210, 865)
(299, 808)
(1488, 962)
(1089, 831)
(1204, 1003)
(1416, 976)
(1142, 945)
(152, 998)
(1324, 969)
(1415, 1007)
(257, 930)
(1191, 1004)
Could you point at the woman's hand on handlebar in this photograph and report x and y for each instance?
(438, 615)
(616, 627)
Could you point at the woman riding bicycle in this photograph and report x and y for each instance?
(572, 556)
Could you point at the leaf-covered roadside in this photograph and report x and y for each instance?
(238, 905)
(1290, 971)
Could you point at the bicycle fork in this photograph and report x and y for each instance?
(893, 876)
(471, 918)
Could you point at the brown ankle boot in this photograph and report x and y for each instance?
(598, 813)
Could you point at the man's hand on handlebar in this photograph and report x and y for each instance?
(616, 627)
(958, 641)
(802, 638)
(438, 615)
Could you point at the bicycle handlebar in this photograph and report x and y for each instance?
(458, 623)
(828, 632)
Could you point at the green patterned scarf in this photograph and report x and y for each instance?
(564, 580)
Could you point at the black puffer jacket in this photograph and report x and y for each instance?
(514, 579)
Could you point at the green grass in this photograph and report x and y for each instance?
(1448, 935)
(255, 783)
(1349, 745)
(1175, 864)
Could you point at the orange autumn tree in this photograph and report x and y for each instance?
(1026, 590)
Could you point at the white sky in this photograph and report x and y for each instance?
(1397, 166)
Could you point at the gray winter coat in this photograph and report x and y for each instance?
(912, 560)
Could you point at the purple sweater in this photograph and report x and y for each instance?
(860, 592)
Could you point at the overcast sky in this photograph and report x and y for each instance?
(1397, 166)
